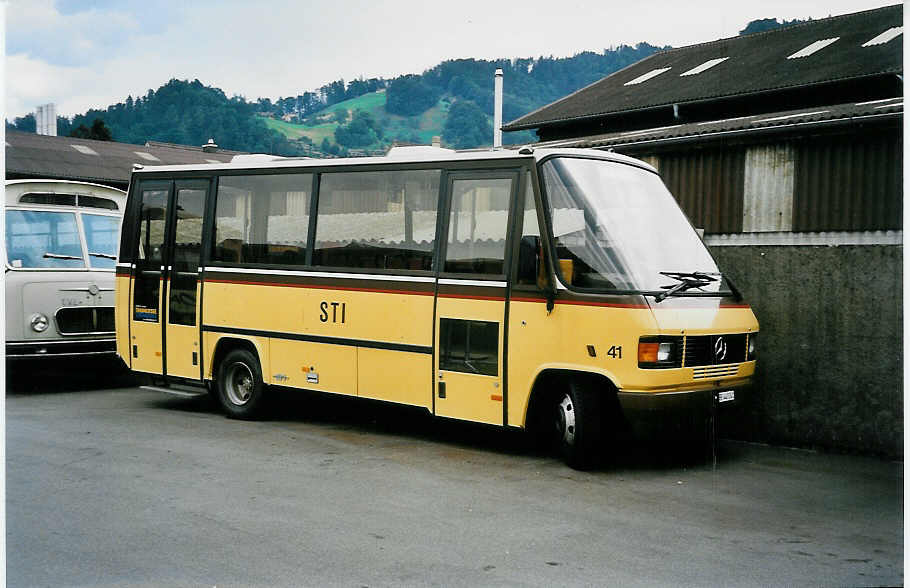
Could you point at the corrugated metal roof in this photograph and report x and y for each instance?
(757, 64)
(109, 162)
(891, 107)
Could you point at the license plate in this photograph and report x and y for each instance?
(726, 396)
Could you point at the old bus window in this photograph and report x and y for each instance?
(477, 225)
(377, 220)
(262, 219)
(102, 234)
(42, 239)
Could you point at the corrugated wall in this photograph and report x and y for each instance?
(849, 183)
(708, 183)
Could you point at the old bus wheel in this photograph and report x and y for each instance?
(579, 425)
(240, 385)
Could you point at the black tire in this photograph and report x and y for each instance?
(241, 390)
(579, 422)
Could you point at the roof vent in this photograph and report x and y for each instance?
(645, 77)
(436, 142)
(705, 66)
(810, 49)
(210, 147)
(883, 38)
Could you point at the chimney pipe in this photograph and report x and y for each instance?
(497, 109)
(210, 147)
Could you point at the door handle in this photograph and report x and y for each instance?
(442, 389)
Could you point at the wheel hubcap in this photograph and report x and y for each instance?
(565, 421)
(239, 384)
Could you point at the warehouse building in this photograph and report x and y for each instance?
(786, 147)
(29, 155)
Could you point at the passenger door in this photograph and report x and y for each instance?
(146, 337)
(182, 336)
(164, 317)
(471, 294)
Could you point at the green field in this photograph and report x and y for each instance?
(395, 127)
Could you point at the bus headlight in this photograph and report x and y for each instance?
(752, 338)
(659, 352)
(38, 322)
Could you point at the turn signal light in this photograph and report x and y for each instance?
(647, 352)
(659, 352)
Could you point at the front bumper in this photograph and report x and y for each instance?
(682, 414)
(57, 348)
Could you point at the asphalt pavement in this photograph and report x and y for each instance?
(110, 485)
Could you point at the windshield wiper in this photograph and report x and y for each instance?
(687, 280)
(61, 256)
(104, 255)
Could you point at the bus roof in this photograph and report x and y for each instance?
(396, 155)
(15, 189)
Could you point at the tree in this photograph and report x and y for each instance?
(410, 96)
(467, 126)
(362, 131)
(98, 132)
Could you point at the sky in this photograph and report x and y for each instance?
(91, 54)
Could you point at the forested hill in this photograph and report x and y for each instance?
(453, 99)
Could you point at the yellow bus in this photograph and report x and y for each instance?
(555, 288)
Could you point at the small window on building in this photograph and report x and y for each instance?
(883, 38)
(146, 156)
(813, 48)
(84, 149)
(262, 219)
(645, 77)
(704, 66)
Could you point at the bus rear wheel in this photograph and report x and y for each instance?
(241, 390)
(578, 420)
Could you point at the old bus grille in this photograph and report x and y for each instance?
(84, 320)
(716, 371)
(701, 350)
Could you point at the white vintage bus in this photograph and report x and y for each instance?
(60, 251)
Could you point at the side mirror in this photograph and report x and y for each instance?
(528, 259)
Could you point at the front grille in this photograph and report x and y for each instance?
(85, 319)
(717, 371)
(705, 350)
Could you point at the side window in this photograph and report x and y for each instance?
(262, 219)
(469, 346)
(530, 251)
(150, 254)
(377, 220)
(478, 221)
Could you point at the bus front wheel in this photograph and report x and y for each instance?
(579, 425)
(240, 386)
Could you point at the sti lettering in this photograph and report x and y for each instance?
(337, 316)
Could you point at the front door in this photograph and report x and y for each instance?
(146, 340)
(164, 320)
(182, 355)
(471, 295)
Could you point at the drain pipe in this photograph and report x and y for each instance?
(497, 110)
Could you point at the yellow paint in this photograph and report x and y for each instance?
(470, 396)
(335, 366)
(397, 376)
(122, 317)
(146, 336)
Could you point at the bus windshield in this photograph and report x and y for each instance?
(102, 235)
(617, 227)
(43, 239)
